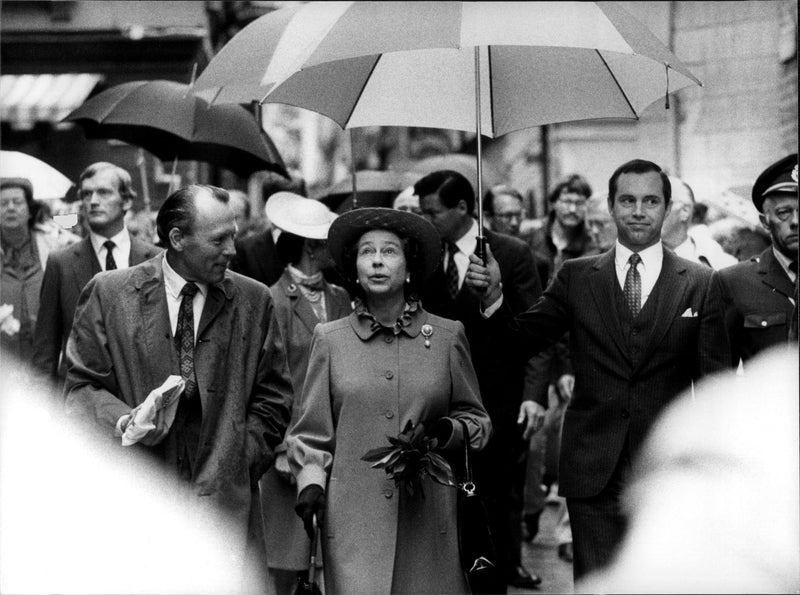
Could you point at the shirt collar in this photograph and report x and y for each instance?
(174, 283)
(469, 241)
(122, 240)
(652, 257)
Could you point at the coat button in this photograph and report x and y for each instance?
(387, 493)
(625, 414)
(389, 415)
(389, 374)
(388, 338)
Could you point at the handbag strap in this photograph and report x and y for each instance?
(468, 486)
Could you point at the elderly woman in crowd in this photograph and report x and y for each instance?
(302, 300)
(26, 239)
(389, 364)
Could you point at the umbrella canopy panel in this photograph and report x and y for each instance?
(521, 87)
(280, 44)
(164, 118)
(48, 183)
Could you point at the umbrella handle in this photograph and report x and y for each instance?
(312, 562)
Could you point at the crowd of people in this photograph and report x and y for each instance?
(549, 346)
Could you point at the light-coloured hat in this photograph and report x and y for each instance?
(305, 217)
(350, 226)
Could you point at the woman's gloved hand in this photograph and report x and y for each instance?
(442, 431)
(310, 502)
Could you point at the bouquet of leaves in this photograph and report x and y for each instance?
(409, 458)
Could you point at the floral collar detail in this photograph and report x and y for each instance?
(409, 322)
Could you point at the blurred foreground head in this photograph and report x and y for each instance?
(714, 503)
(78, 517)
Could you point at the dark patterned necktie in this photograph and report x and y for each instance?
(184, 339)
(633, 286)
(111, 264)
(452, 271)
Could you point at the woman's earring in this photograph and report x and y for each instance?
(408, 278)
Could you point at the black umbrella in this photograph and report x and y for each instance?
(164, 118)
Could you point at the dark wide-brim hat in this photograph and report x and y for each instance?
(780, 178)
(350, 226)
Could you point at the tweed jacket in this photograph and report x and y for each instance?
(66, 274)
(365, 384)
(621, 384)
(121, 347)
(757, 295)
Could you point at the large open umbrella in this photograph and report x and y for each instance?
(164, 118)
(48, 183)
(487, 67)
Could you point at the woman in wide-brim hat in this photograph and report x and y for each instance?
(302, 299)
(389, 364)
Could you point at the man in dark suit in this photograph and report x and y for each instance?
(107, 194)
(761, 294)
(448, 200)
(644, 324)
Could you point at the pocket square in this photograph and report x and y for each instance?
(688, 313)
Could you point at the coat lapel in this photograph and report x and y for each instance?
(773, 275)
(215, 301)
(302, 309)
(603, 286)
(672, 284)
(149, 282)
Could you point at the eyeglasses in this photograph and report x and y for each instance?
(567, 202)
(785, 213)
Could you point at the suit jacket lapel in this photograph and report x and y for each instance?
(672, 284)
(773, 275)
(603, 286)
(84, 263)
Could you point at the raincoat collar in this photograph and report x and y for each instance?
(410, 322)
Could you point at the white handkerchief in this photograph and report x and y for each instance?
(164, 397)
(689, 314)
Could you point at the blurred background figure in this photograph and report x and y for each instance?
(713, 503)
(599, 223)
(738, 238)
(407, 201)
(503, 208)
(27, 236)
(302, 300)
(675, 232)
(247, 225)
(117, 529)
(142, 225)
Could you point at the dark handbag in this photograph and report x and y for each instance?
(475, 543)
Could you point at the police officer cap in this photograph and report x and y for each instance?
(778, 178)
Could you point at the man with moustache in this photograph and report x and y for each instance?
(107, 194)
(183, 313)
(761, 294)
(643, 323)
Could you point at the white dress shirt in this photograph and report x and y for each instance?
(649, 266)
(121, 251)
(466, 246)
(173, 284)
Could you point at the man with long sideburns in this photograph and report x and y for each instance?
(184, 313)
(107, 194)
(644, 324)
